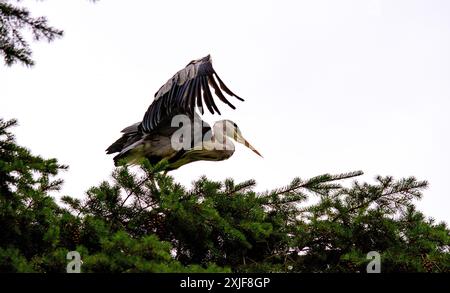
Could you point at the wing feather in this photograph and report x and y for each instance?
(206, 99)
(190, 101)
(226, 89)
(209, 101)
(218, 93)
(199, 97)
(187, 90)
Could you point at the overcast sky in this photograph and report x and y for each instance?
(330, 86)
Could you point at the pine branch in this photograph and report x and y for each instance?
(241, 187)
(132, 190)
(320, 184)
(13, 21)
(386, 193)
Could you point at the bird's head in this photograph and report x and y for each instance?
(230, 129)
(201, 60)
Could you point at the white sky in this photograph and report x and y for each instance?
(330, 86)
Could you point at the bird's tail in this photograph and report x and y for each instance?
(128, 137)
(118, 145)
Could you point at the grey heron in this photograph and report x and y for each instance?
(186, 92)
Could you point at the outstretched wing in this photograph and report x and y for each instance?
(188, 89)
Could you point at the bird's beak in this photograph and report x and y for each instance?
(253, 149)
(242, 140)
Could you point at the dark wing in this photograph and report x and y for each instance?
(188, 89)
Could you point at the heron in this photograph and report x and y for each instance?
(184, 95)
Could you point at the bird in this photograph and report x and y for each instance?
(159, 135)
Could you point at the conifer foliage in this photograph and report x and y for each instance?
(143, 221)
(15, 22)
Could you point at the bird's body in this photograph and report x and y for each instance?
(158, 136)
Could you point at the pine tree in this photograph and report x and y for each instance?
(28, 214)
(143, 221)
(14, 21)
(37, 234)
